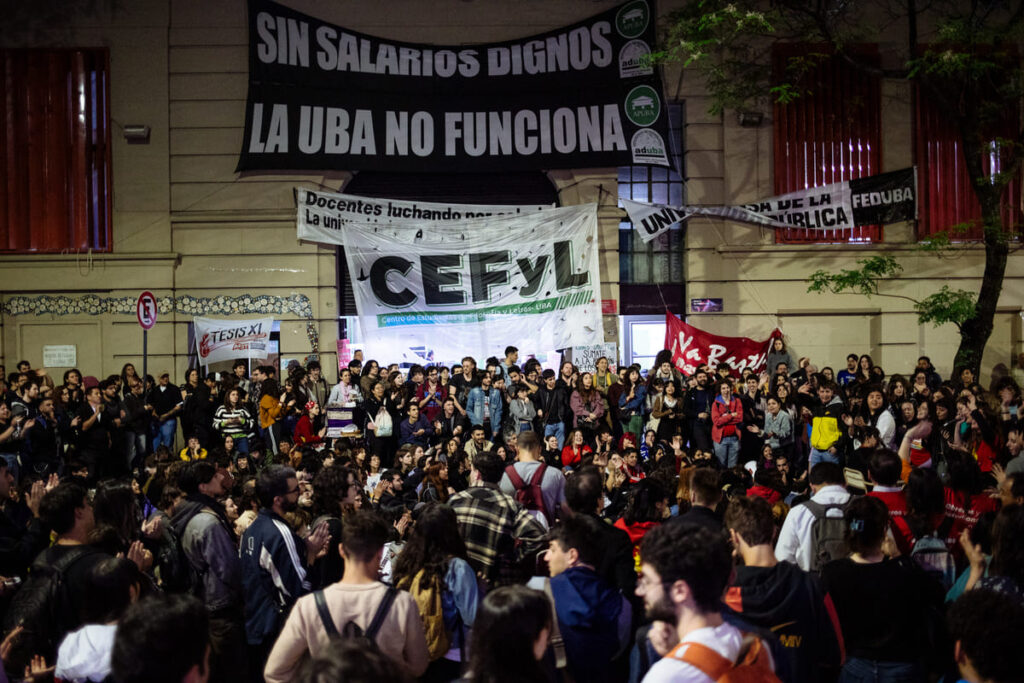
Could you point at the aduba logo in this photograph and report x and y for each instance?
(633, 59)
(632, 19)
(643, 106)
(649, 148)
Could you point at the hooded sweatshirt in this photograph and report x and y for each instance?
(589, 612)
(792, 604)
(84, 655)
(825, 431)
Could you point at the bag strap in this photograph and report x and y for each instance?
(381, 615)
(325, 614)
(702, 657)
(73, 556)
(538, 475)
(513, 476)
(816, 508)
(557, 643)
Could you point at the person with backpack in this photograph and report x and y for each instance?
(813, 531)
(53, 599)
(886, 607)
(500, 534)
(685, 571)
(538, 488)
(434, 568)
(593, 618)
(359, 607)
(210, 567)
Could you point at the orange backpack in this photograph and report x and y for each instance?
(754, 664)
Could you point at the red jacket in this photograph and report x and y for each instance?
(304, 432)
(571, 458)
(721, 417)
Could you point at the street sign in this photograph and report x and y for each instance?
(145, 310)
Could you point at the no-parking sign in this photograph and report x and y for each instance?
(145, 310)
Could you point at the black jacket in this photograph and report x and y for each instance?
(792, 603)
(554, 403)
(20, 540)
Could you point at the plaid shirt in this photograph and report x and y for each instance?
(498, 531)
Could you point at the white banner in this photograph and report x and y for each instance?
(218, 340)
(322, 215)
(475, 286)
(872, 200)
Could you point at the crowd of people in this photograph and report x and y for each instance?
(512, 523)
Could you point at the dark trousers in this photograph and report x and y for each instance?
(228, 656)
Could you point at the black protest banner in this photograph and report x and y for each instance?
(324, 97)
(884, 198)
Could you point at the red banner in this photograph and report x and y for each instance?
(692, 347)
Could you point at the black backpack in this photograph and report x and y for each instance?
(351, 630)
(41, 608)
(176, 573)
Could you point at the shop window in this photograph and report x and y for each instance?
(55, 180)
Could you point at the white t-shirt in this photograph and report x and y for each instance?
(726, 640)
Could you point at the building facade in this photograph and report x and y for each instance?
(208, 241)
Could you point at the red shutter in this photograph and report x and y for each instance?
(55, 146)
(831, 133)
(945, 197)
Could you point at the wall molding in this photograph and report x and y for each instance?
(298, 305)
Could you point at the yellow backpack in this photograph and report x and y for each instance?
(427, 594)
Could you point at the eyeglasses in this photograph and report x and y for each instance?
(294, 490)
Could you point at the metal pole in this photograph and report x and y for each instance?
(145, 358)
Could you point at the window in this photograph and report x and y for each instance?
(660, 261)
(55, 182)
(945, 197)
(829, 134)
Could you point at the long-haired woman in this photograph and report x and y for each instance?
(233, 419)
(520, 619)
(435, 559)
(631, 404)
(272, 410)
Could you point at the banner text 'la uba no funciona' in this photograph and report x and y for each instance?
(322, 96)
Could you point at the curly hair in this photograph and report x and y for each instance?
(330, 487)
(989, 627)
(692, 554)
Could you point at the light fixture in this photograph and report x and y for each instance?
(136, 134)
(750, 119)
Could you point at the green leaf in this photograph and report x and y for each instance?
(946, 306)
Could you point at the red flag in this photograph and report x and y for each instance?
(691, 347)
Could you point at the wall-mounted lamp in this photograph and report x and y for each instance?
(750, 119)
(136, 134)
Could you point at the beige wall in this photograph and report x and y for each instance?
(186, 224)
